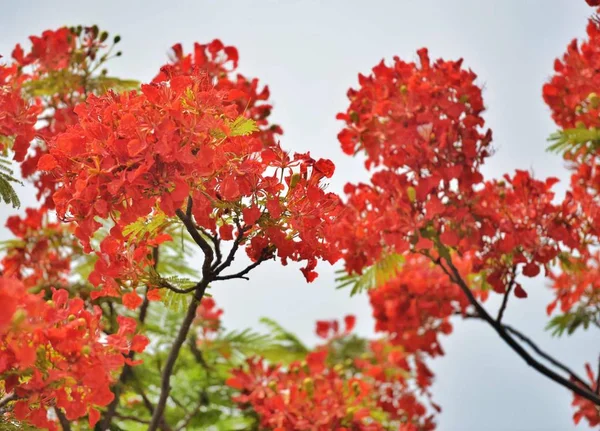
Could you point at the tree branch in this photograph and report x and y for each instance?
(501, 331)
(506, 295)
(234, 248)
(7, 399)
(197, 237)
(125, 374)
(598, 378)
(242, 274)
(64, 422)
(131, 418)
(193, 413)
(546, 356)
(165, 386)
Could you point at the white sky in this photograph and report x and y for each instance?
(309, 53)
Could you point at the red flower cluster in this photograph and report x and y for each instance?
(47, 350)
(42, 253)
(422, 123)
(180, 139)
(389, 368)
(17, 116)
(328, 329)
(586, 409)
(55, 74)
(307, 396)
(220, 62)
(515, 222)
(208, 316)
(578, 283)
(423, 119)
(571, 93)
(415, 306)
(392, 370)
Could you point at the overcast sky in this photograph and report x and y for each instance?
(309, 53)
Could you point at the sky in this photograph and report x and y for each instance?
(309, 53)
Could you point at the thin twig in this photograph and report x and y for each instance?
(131, 418)
(242, 274)
(165, 386)
(198, 239)
(506, 295)
(7, 399)
(598, 378)
(191, 415)
(234, 248)
(546, 356)
(127, 371)
(64, 422)
(541, 368)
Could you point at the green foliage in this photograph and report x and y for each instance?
(574, 139)
(242, 126)
(102, 84)
(7, 192)
(146, 226)
(346, 348)
(11, 425)
(63, 81)
(175, 255)
(379, 273)
(571, 321)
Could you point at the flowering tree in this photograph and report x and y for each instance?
(148, 192)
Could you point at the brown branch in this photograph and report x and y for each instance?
(7, 399)
(165, 386)
(242, 274)
(131, 418)
(127, 371)
(598, 378)
(505, 336)
(191, 414)
(507, 294)
(234, 248)
(64, 422)
(198, 239)
(546, 356)
(197, 353)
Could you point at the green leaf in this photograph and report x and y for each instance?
(291, 341)
(379, 273)
(243, 126)
(7, 192)
(102, 83)
(573, 139)
(570, 322)
(146, 226)
(176, 302)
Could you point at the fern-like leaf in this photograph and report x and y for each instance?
(379, 273)
(7, 192)
(243, 126)
(574, 139)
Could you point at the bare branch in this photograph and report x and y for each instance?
(234, 248)
(198, 239)
(165, 386)
(546, 356)
(64, 422)
(506, 294)
(598, 378)
(131, 418)
(7, 399)
(190, 415)
(514, 345)
(127, 371)
(242, 274)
